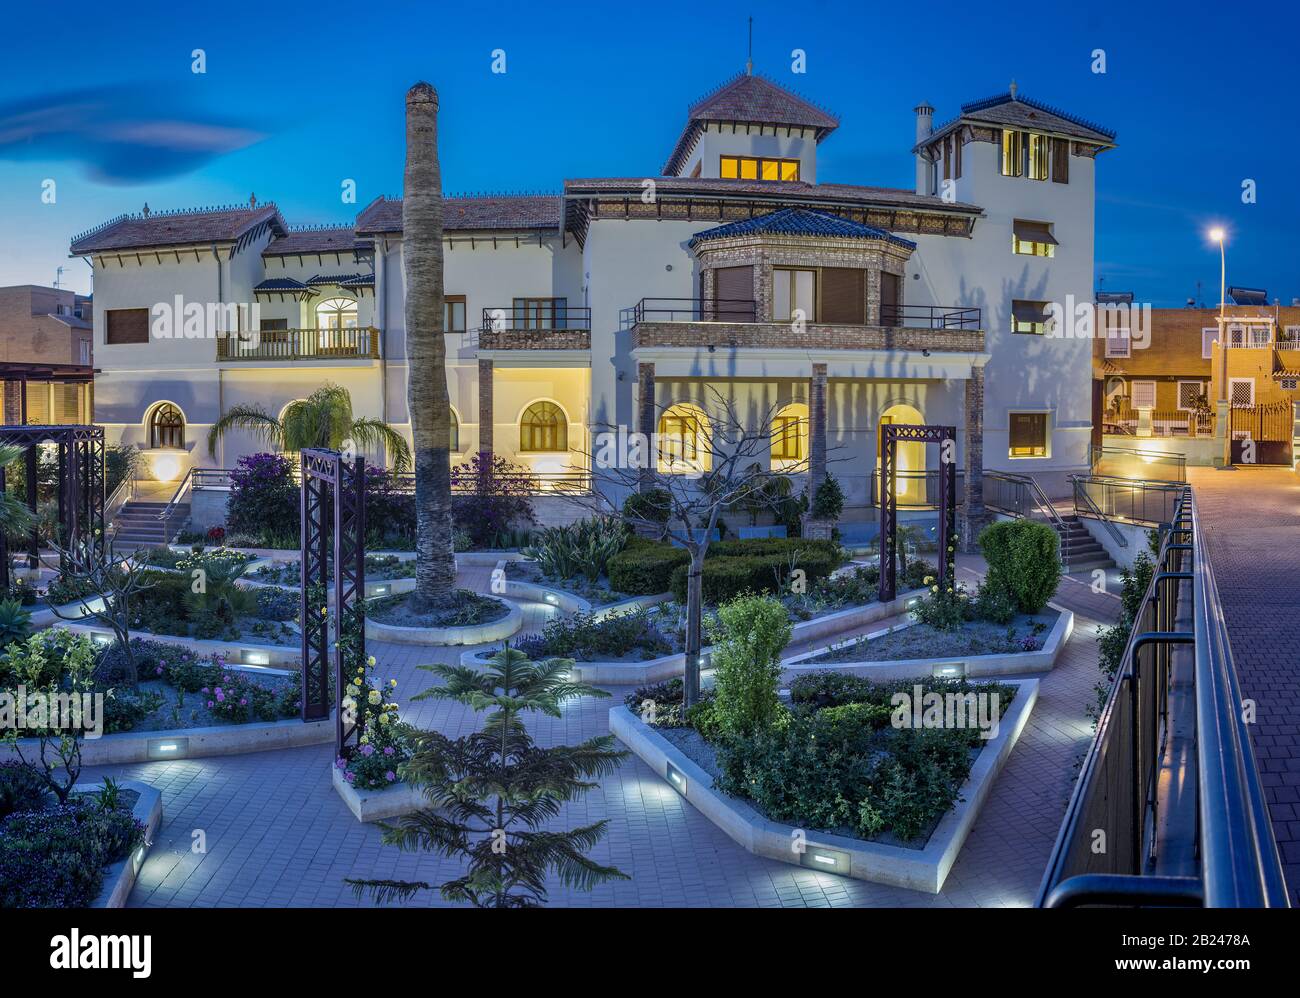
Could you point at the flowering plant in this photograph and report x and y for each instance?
(383, 741)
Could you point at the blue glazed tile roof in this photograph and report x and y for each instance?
(800, 222)
(280, 284)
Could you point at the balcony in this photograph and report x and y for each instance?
(544, 326)
(693, 322)
(354, 343)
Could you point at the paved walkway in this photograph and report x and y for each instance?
(277, 834)
(1251, 521)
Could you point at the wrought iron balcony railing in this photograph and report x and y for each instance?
(543, 317)
(695, 310)
(930, 316)
(352, 343)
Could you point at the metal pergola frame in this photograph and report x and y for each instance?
(333, 508)
(891, 434)
(81, 485)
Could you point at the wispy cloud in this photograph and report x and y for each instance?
(121, 135)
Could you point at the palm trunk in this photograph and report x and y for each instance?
(427, 399)
(694, 622)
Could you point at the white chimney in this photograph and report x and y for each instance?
(924, 125)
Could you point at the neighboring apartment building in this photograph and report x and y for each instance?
(45, 355)
(1165, 383)
(731, 274)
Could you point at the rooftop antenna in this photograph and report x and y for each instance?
(749, 63)
(58, 276)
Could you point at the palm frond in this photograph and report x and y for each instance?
(250, 418)
(371, 433)
(16, 520)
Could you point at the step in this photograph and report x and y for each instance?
(1089, 564)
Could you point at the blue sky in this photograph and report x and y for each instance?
(296, 99)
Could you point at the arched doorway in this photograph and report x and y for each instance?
(910, 487)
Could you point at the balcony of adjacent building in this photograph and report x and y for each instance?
(280, 343)
(533, 324)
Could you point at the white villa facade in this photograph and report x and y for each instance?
(566, 311)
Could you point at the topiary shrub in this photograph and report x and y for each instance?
(828, 500)
(748, 637)
(728, 575)
(22, 788)
(1024, 559)
(644, 568)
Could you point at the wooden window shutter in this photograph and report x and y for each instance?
(126, 325)
(1028, 429)
(890, 298)
(947, 158)
(733, 294)
(957, 144)
(1061, 161)
(844, 295)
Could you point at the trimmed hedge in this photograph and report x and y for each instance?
(644, 568)
(1024, 561)
(727, 576)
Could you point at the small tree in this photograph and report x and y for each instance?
(115, 582)
(750, 634)
(488, 794)
(828, 500)
(491, 497)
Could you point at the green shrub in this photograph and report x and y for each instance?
(652, 507)
(726, 577)
(828, 500)
(22, 788)
(580, 548)
(748, 637)
(994, 604)
(15, 622)
(945, 608)
(1024, 559)
(644, 568)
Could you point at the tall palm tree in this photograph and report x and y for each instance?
(323, 419)
(426, 392)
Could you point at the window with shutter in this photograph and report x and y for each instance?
(844, 292)
(1118, 343)
(733, 294)
(1029, 317)
(1061, 161)
(1144, 394)
(1028, 434)
(891, 299)
(1189, 392)
(38, 403)
(794, 291)
(957, 144)
(1241, 392)
(126, 325)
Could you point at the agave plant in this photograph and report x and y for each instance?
(580, 548)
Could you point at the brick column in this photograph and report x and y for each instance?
(817, 426)
(13, 412)
(485, 407)
(646, 417)
(973, 514)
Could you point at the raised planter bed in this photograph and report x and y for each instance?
(120, 878)
(377, 805)
(472, 634)
(968, 666)
(248, 653)
(192, 743)
(666, 667)
(923, 869)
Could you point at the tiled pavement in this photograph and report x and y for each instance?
(276, 834)
(1251, 521)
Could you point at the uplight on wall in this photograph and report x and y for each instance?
(825, 859)
(255, 657)
(165, 465)
(167, 748)
(951, 670)
(676, 778)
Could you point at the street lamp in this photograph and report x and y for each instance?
(1217, 235)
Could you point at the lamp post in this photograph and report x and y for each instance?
(1224, 407)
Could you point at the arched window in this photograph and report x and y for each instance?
(684, 440)
(790, 436)
(336, 313)
(166, 427)
(543, 427)
(455, 432)
(909, 457)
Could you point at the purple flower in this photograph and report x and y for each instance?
(209, 705)
(221, 697)
(243, 701)
(158, 671)
(340, 762)
(367, 750)
(349, 777)
(204, 690)
(388, 750)
(390, 776)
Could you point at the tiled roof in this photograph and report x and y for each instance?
(339, 279)
(471, 213)
(320, 239)
(800, 222)
(287, 284)
(755, 100)
(1020, 112)
(359, 281)
(177, 228)
(784, 190)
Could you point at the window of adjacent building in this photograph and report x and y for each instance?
(790, 434)
(1287, 384)
(1241, 392)
(684, 440)
(1189, 393)
(126, 325)
(1260, 336)
(38, 403)
(1209, 336)
(1028, 434)
(1291, 333)
(166, 427)
(1119, 343)
(336, 313)
(1142, 395)
(541, 313)
(1032, 238)
(453, 314)
(794, 290)
(757, 168)
(543, 427)
(1236, 336)
(1029, 317)
(454, 439)
(1038, 147)
(844, 295)
(83, 348)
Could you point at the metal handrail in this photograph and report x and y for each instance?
(119, 497)
(1236, 855)
(1090, 508)
(1149, 457)
(1115, 491)
(931, 316)
(1027, 486)
(501, 317)
(695, 310)
(169, 511)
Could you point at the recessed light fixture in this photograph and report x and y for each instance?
(167, 748)
(676, 778)
(825, 859)
(250, 657)
(954, 670)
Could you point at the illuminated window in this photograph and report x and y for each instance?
(1028, 434)
(336, 313)
(757, 168)
(1038, 156)
(455, 432)
(790, 434)
(1029, 317)
(684, 440)
(543, 427)
(1032, 239)
(1025, 154)
(1013, 155)
(166, 427)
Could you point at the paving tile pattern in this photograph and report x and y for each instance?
(275, 834)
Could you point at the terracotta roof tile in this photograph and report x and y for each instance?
(471, 213)
(177, 228)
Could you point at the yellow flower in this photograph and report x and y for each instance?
(323, 610)
(393, 683)
(365, 739)
(373, 697)
(370, 661)
(934, 589)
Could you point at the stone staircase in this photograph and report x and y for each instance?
(1080, 551)
(137, 524)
